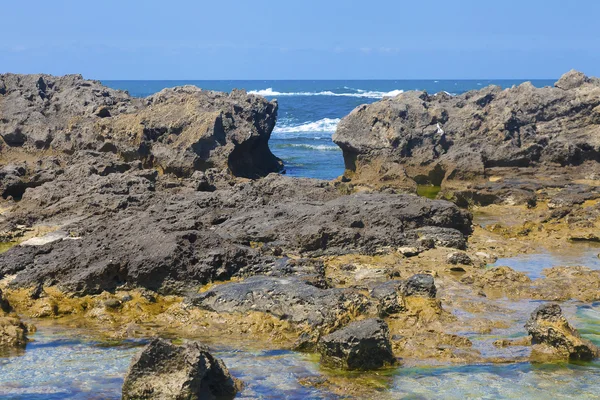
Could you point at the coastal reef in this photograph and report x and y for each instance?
(167, 217)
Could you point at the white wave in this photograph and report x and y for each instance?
(322, 125)
(361, 93)
(321, 147)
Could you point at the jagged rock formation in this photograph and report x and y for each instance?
(554, 338)
(496, 142)
(143, 192)
(163, 370)
(177, 131)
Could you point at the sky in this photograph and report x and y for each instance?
(301, 39)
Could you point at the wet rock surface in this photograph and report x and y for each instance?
(361, 345)
(554, 338)
(163, 370)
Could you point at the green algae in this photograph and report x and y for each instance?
(4, 246)
(428, 191)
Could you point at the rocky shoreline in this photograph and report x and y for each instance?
(166, 216)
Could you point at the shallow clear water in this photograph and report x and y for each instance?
(309, 111)
(65, 363)
(572, 254)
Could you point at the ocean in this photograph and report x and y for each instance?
(309, 111)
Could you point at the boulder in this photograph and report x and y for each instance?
(554, 338)
(166, 371)
(389, 298)
(362, 345)
(421, 285)
(459, 258)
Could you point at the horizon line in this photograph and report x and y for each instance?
(323, 79)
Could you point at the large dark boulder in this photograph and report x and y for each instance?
(166, 371)
(554, 338)
(362, 345)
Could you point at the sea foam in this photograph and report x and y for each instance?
(360, 93)
(319, 147)
(322, 125)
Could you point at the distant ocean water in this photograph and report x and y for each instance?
(309, 111)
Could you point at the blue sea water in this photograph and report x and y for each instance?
(309, 111)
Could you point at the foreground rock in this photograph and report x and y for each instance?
(553, 338)
(523, 137)
(362, 345)
(165, 371)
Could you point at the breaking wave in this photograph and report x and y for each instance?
(359, 93)
(320, 147)
(322, 125)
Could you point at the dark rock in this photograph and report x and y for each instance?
(163, 370)
(422, 285)
(390, 300)
(4, 304)
(139, 236)
(554, 338)
(289, 299)
(362, 345)
(459, 258)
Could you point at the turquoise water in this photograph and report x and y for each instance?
(309, 111)
(65, 363)
(571, 254)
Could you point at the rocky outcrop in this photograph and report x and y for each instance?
(177, 131)
(553, 338)
(291, 299)
(537, 134)
(163, 370)
(362, 345)
(130, 231)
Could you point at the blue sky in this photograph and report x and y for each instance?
(293, 39)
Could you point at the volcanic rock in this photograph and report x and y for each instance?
(362, 345)
(163, 370)
(554, 338)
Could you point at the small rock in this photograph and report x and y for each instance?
(389, 298)
(362, 345)
(422, 285)
(112, 303)
(459, 258)
(554, 338)
(163, 370)
(409, 251)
